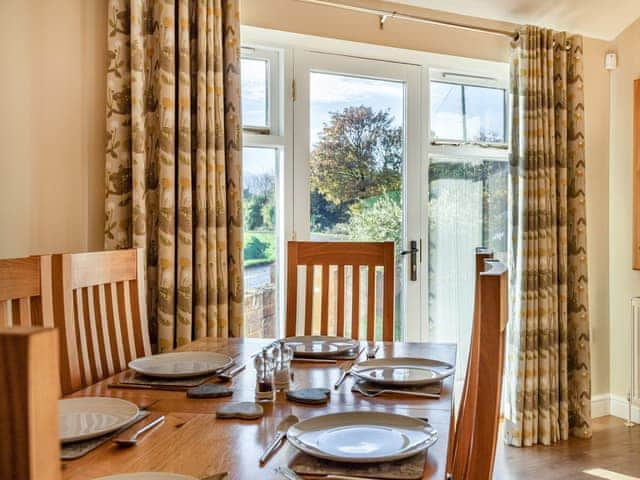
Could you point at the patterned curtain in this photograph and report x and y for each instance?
(548, 384)
(173, 160)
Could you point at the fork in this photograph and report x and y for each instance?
(375, 393)
(346, 370)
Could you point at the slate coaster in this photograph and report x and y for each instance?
(411, 468)
(71, 451)
(209, 390)
(243, 410)
(312, 396)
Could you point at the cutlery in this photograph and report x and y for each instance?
(375, 393)
(288, 474)
(227, 375)
(133, 439)
(346, 370)
(371, 352)
(216, 476)
(281, 432)
(314, 360)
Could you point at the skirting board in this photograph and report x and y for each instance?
(616, 405)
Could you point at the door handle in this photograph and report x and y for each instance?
(413, 251)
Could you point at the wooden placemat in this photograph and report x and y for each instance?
(411, 468)
(131, 379)
(71, 451)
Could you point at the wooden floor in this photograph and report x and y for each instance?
(613, 447)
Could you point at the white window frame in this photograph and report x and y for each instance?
(278, 136)
(287, 44)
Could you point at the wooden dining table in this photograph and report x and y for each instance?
(192, 441)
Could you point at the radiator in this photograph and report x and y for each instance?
(634, 388)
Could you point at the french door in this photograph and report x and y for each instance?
(357, 171)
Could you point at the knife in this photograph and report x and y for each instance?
(281, 432)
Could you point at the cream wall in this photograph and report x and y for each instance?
(624, 282)
(52, 126)
(52, 91)
(294, 16)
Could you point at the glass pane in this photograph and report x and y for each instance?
(467, 209)
(484, 114)
(254, 92)
(446, 111)
(259, 201)
(356, 165)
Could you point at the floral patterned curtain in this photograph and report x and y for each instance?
(173, 160)
(548, 384)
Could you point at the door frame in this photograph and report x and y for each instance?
(288, 43)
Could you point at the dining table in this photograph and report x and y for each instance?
(192, 441)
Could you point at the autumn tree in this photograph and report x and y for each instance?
(358, 155)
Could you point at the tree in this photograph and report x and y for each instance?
(358, 155)
(376, 220)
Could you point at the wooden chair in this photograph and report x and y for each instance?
(472, 450)
(341, 254)
(29, 440)
(25, 292)
(100, 309)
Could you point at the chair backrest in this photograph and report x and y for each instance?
(474, 440)
(29, 440)
(100, 309)
(25, 292)
(346, 256)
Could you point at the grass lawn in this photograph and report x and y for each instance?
(269, 254)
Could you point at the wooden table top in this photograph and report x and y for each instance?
(192, 441)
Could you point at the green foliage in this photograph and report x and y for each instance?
(255, 248)
(377, 219)
(325, 214)
(358, 155)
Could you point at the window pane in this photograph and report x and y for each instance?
(254, 92)
(356, 168)
(259, 197)
(468, 203)
(484, 109)
(446, 111)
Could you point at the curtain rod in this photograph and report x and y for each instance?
(385, 14)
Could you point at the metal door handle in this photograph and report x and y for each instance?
(413, 251)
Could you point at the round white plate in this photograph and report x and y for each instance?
(402, 371)
(148, 476)
(88, 417)
(362, 437)
(180, 364)
(320, 346)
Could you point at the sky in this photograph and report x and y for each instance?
(333, 93)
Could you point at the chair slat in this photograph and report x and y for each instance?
(340, 324)
(83, 340)
(324, 315)
(100, 308)
(113, 321)
(25, 312)
(371, 300)
(355, 302)
(308, 305)
(5, 317)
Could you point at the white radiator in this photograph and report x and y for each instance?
(634, 388)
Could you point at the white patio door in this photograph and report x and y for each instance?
(357, 169)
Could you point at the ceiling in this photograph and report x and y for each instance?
(592, 18)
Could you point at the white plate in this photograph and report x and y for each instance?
(148, 476)
(321, 346)
(89, 417)
(402, 371)
(180, 364)
(362, 437)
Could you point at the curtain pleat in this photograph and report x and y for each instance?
(548, 361)
(173, 166)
